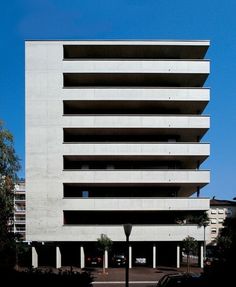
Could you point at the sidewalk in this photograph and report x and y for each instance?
(141, 276)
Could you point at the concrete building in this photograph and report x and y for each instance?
(19, 209)
(113, 135)
(218, 212)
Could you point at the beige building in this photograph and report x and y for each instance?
(19, 209)
(218, 212)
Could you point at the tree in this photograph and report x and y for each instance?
(199, 219)
(104, 244)
(226, 241)
(203, 220)
(190, 247)
(9, 165)
(222, 268)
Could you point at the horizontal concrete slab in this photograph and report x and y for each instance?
(170, 149)
(127, 48)
(141, 204)
(140, 66)
(137, 176)
(120, 42)
(165, 122)
(136, 94)
(116, 233)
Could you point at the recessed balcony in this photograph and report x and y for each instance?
(165, 97)
(135, 49)
(188, 180)
(135, 128)
(76, 107)
(134, 79)
(75, 162)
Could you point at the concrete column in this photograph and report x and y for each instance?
(58, 257)
(82, 258)
(34, 257)
(178, 256)
(201, 255)
(130, 256)
(154, 263)
(106, 258)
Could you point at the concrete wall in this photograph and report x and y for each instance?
(154, 204)
(45, 149)
(116, 233)
(138, 149)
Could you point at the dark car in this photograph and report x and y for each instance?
(94, 261)
(180, 280)
(118, 260)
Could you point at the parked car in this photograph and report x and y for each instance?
(94, 261)
(118, 260)
(140, 261)
(180, 280)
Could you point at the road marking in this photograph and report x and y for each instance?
(123, 282)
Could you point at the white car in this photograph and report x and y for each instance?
(140, 260)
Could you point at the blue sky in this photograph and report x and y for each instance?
(130, 19)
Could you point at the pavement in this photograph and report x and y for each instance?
(138, 276)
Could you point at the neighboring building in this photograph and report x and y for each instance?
(19, 209)
(218, 212)
(113, 131)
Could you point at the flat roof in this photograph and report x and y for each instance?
(147, 49)
(127, 42)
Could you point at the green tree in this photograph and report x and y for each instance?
(104, 244)
(9, 165)
(226, 241)
(222, 269)
(202, 220)
(190, 247)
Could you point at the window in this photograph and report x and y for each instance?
(221, 211)
(220, 220)
(213, 211)
(85, 194)
(213, 221)
(228, 211)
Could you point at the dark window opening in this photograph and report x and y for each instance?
(108, 135)
(120, 51)
(122, 108)
(73, 80)
(119, 217)
(77, 190)
(72, 162)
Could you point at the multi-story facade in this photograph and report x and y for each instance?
(113, 135)
(19, 209)
(218, 212)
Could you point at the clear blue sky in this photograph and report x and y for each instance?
(130, 19)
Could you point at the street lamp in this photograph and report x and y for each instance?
(205, 224)
(127, 230)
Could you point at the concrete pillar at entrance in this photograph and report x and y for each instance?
(201, 256)
(130, 256)
(178, 256)
(58, 257)
(82, 259)
(106, 258)
(34, 257)
(154, 256)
